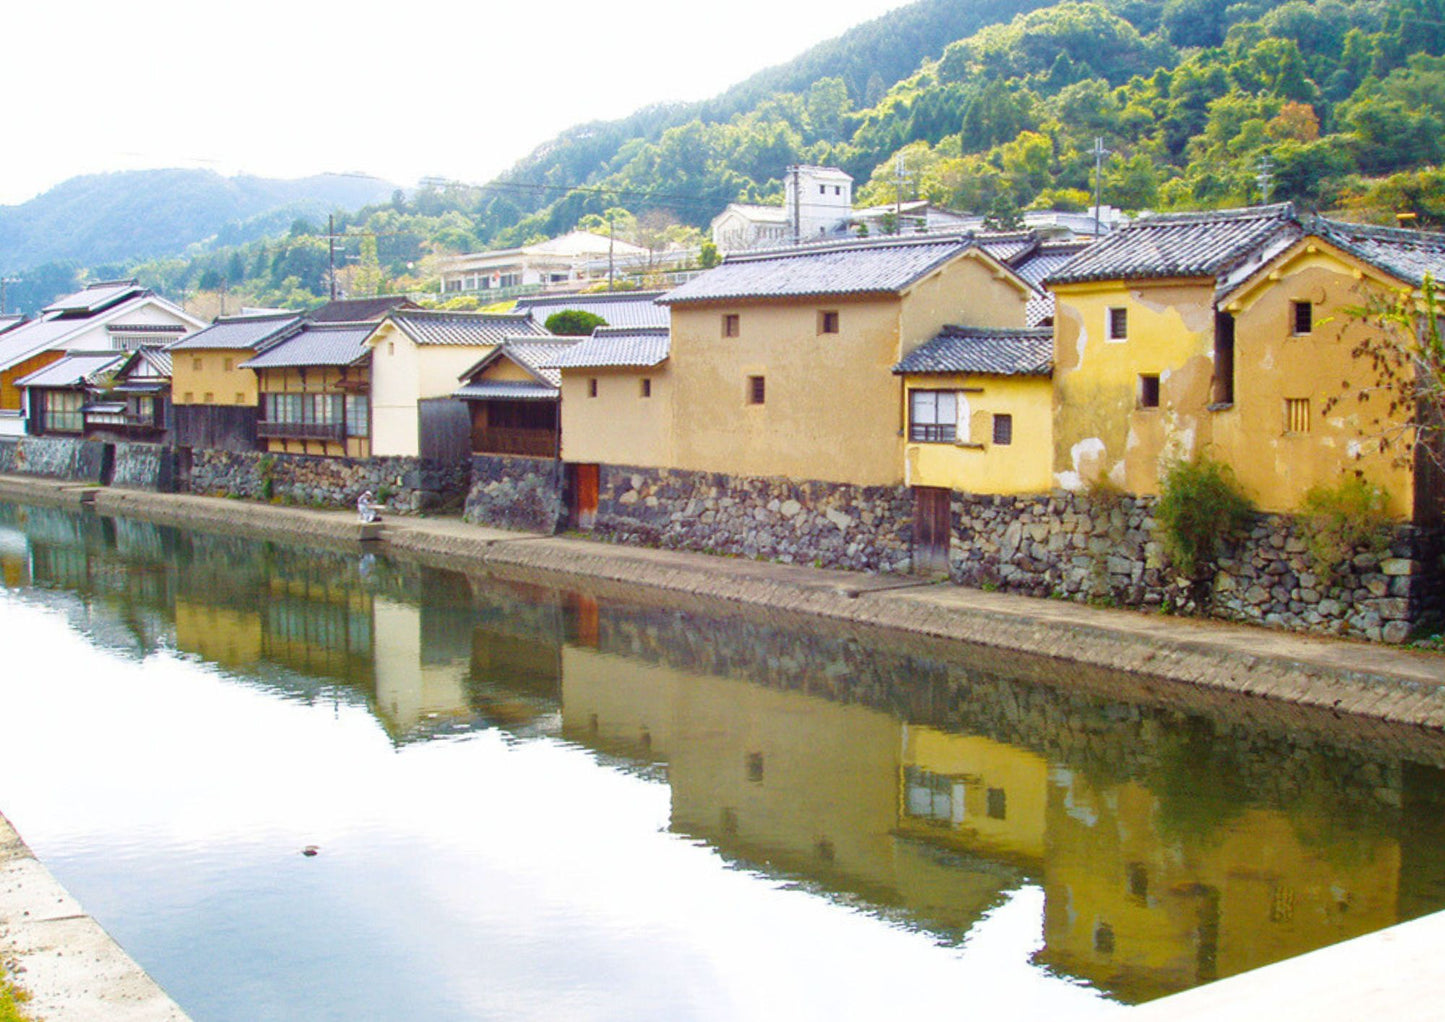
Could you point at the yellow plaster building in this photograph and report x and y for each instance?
(217, 402)
(617, 398)
(782, 361)
(1227, 333)
(315, 391)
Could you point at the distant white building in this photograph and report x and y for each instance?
(816, 201)
(558, 263)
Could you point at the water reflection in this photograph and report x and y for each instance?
(1176, 837)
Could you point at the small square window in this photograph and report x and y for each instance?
(195, 365)
(646, 387)
(1003, 429)
(822, 189)
(1296, 415)
(209, 399)
(997, 807)
(1148, 390)
(757, 390)
(754, 762)
(225, 365)
(240, 398)
(828, 322)
(1118, 323)
(731, 324)
(592, 387)
(1304, 317)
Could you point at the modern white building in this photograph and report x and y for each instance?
(816, 201)
(559, 263)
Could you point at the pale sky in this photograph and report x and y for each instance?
(286, 88)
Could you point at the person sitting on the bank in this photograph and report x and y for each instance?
(366, 508)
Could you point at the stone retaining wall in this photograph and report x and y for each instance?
(402, 485)
(1074, 547)
(73, 459)
(145, 467)
(830, 525)
(516, 493)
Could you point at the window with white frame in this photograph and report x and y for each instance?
(933, 416)
(62, 411)
(358, 415)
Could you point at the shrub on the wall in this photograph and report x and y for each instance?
(1339, 520)
(1200, 503)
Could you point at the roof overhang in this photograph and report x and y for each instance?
(1244, 294)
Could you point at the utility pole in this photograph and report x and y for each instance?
(3, 282)
(797, 208)
(899, 176)
(331, 252)
(1099, 153)
(1265, 177)
(611, 236)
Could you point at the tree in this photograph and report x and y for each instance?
(573, 323)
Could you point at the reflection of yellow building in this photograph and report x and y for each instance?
(231, 638)
(1143, 914)
(971, 792)
(411, 686)
(777, 777)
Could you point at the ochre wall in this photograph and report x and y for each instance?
(975, 464)
(619, 426)
(1272, 364)
(1099, 430)
(9, 393)
(834, 410)
(314, 380)
(217, 375)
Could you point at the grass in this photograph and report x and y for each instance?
(11, 998)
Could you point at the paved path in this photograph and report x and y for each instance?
(72, 969)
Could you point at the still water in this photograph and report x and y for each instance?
(532, 803)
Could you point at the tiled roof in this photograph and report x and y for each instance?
(1036, 264)
(359, 310)
(159, 359)
(536, 356)
(241, 333)
(1006, 246)
(625, 308)
(616, 346)
(145, 328)
(13, 320)
(53, 328)
(1205, 244)
(73, 369)
(95, 297)
(465, 329)
(316, 344)
(510, 390)
(1408, 255)
(992, 352)
(836, 269)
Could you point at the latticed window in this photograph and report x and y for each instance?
(933, 416)
(1118, 324)
(358, 415)
(1304, 317)
(62, 411)
(1003, 429)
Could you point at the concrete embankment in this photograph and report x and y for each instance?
(72, 969)
(1387, 684)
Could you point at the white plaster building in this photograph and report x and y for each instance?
(558, 263)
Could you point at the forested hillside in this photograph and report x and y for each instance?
(990, 106)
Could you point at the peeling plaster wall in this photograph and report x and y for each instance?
(1100, 432)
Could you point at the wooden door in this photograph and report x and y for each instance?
(932, 529)
(583, 504)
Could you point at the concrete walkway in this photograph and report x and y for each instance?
(1396, 974)
(72, 969)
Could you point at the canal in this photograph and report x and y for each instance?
(591, 803)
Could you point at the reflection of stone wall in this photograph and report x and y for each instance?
(54, 458)
(516, 493)
(402, 484)
(832, 525)
(1065, 546)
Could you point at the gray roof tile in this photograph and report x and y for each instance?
(624, 309)
(1408, 255)
(1205, 244)
(959, 349)
(465, 329)
(73, 369)
(316, 344)
(241, 333)
(855, 267)
(614, 346)
(510, 390)
(96, 297)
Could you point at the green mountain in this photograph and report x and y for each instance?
(120, 218)
(990, 105)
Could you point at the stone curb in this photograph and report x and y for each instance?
(73, 970)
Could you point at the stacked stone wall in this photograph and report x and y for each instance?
(145, 467)
(516, 493)
(830, 525)
(68, 458)
(1108, 551)
(401, 485)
